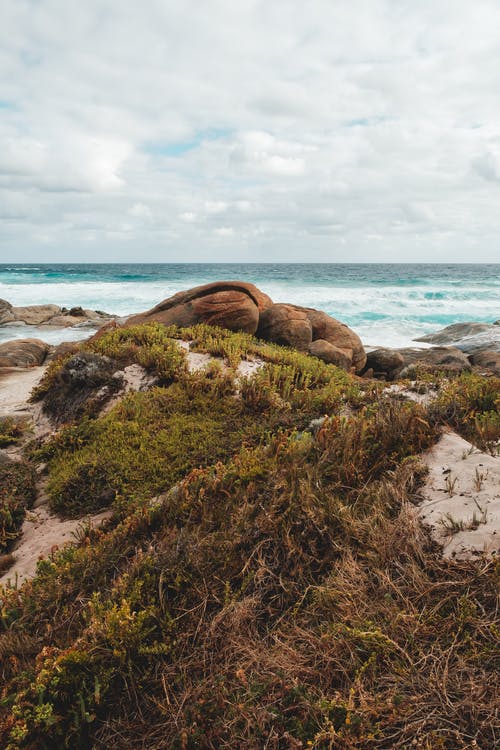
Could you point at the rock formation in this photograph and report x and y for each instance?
(49, 315)
(240, 306)
(228, 304)
(23, 353)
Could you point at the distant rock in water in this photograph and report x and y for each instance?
(468, 337)
(49, 315)
(240, 306)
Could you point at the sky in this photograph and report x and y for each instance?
(245, 130)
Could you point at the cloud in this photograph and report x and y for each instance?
(282, 131)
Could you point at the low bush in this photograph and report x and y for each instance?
(17, 492)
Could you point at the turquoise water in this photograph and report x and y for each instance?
(387, 304)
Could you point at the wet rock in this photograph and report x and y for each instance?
(23, 353)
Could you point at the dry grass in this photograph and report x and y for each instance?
(284, 597)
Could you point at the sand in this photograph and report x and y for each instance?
(42, 531)
(461, 498)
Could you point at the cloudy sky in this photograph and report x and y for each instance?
(248, 130)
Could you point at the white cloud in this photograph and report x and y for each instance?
(298, 131)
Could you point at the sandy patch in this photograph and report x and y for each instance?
(396, 389)
(16, 385)
(461, 498)
(42, 534)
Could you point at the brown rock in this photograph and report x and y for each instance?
(385, 362)
(6, 314)
(339, 334)
(330, 353)
(443, 357)
(35, 315)
(229, 304)
(489, 360)
(287, 325)
(65, 348)
(23, 353)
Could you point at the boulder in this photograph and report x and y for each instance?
(468, 337)
(228, 304)
(442, 357)
(287, 325)
(35, 315)
(488, 360)
(330, 353)
(386, 362)
(23, 353)
(6, 314)
(339, 334)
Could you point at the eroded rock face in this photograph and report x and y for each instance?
(287, 325)
(233, 305)
(23, 353)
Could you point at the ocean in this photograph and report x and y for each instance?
(386, 304)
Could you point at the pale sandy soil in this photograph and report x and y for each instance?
(461, 498)
(42, 532)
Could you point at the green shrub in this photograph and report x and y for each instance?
(17, 492)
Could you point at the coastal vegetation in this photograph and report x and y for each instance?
(262, 581)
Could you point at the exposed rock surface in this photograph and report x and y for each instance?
(386, 362)
(338, 334)
(240, 306)
(49, 315)
(330, 353)
(287, 325)
(314, 331)
(229, 304)
(487, 359)
(469, 337)
(23, 353)
(6, 314)
(35, 315)
(445, 357)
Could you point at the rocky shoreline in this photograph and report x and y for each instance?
(240, 306)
